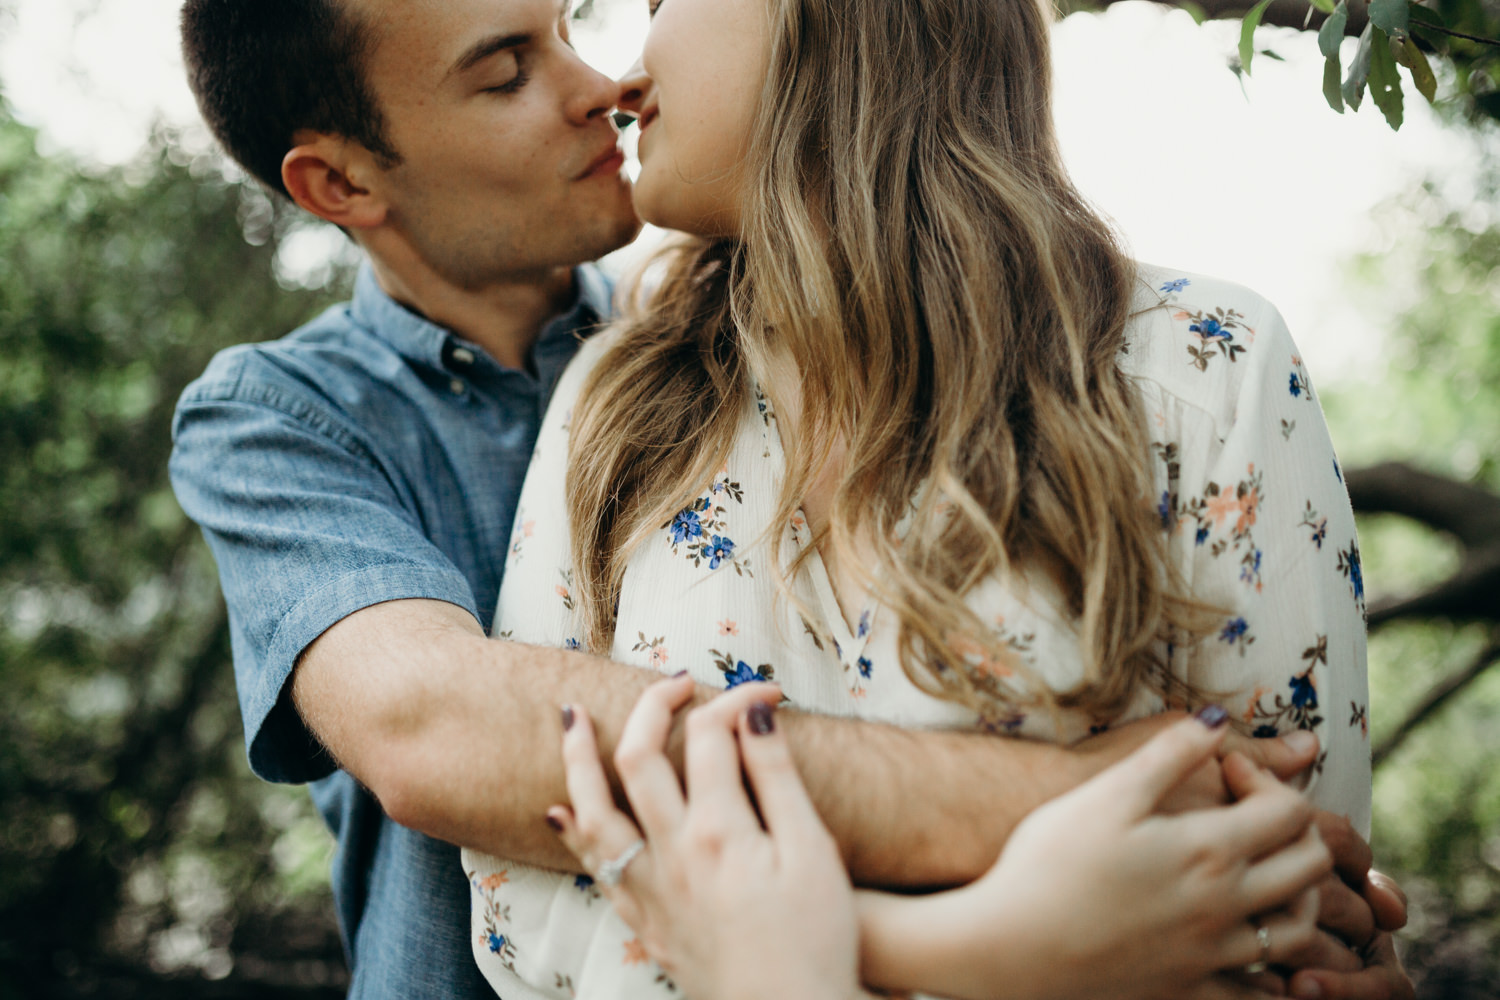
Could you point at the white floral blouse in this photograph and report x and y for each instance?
(1250, 497)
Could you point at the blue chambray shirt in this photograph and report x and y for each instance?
(366, 457)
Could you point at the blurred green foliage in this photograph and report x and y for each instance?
(132, 835)
(1433, 293)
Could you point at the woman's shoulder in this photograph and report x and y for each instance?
(1204, 342)
(593, 350)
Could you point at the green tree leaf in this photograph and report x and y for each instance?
(1331, 73)
(1425, 15)
(1385, 80)
(1390, 16)
(1353, 90)
(1332, 31)
(1415, 60)
(1326, 6)
(1247, 33)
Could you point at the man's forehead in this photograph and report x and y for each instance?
(434, 32)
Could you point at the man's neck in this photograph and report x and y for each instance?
(505, 317)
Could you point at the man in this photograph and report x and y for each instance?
(357, 481)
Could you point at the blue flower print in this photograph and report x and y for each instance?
(685, 525)
(742, 675)
(1175, 285)
(719, 549)
(1338, 471)
(1202, 535)
(1304, 695)
(1250, 568)
(583, 883)
(865, 667)
(864, 625)
(1165, 510)
(1234, 631)
(496, 943)
(573, 644)
(1211, 329)
(1295, 386)
(1349, 565)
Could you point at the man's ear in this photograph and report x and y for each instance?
(329, 177)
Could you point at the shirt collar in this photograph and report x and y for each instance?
(424, 342)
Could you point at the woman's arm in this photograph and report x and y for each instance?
(738, 905)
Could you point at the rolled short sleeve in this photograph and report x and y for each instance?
(308, 525)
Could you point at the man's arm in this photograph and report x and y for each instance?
(456, 735)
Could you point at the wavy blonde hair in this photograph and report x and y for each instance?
(955, 312)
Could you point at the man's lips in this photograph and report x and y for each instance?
(608, 162)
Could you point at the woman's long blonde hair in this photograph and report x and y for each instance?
(955, 311)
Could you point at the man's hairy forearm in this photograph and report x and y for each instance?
(458, 736)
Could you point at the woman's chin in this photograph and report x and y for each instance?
(680, 214)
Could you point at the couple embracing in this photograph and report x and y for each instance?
(941, 511)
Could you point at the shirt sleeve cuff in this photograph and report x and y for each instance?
(281, 748)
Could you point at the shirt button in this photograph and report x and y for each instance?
(463, 356)
(457, 385)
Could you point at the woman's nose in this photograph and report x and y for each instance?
(635, 87)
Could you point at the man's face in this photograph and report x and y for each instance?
(509, 162)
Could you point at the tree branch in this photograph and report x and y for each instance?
(1468, 512)
(1436, 698)
(1472, 593)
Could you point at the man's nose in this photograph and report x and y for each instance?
(592, 94)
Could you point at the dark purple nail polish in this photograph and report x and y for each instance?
(680, 673)
(761, 718)
(1212, 716)
(567, 717)
(555, 823)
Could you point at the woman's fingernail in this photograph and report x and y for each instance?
(1300, 741)
(555, 823)
(1307, 989)
(567, 717)
(679, 674)
(1212, 716)
(761, 718)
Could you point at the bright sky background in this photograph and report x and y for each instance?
(1265, 185)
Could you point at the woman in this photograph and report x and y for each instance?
(1094, 896)
(903, 429)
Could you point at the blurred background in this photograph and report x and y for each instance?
(138, 857)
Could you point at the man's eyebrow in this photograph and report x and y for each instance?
(486, 47)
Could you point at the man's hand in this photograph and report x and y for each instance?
(1382, 978)
(1285, 757)
(1358, 910)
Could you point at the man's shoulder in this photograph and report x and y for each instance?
(312, 361)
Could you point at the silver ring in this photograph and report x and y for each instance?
(610, 872)
(1262, 938)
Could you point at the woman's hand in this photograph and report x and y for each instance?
(731, 905)
(1097, 895)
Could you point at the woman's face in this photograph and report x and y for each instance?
(696, 90)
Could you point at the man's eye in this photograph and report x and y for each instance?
(510, 86)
